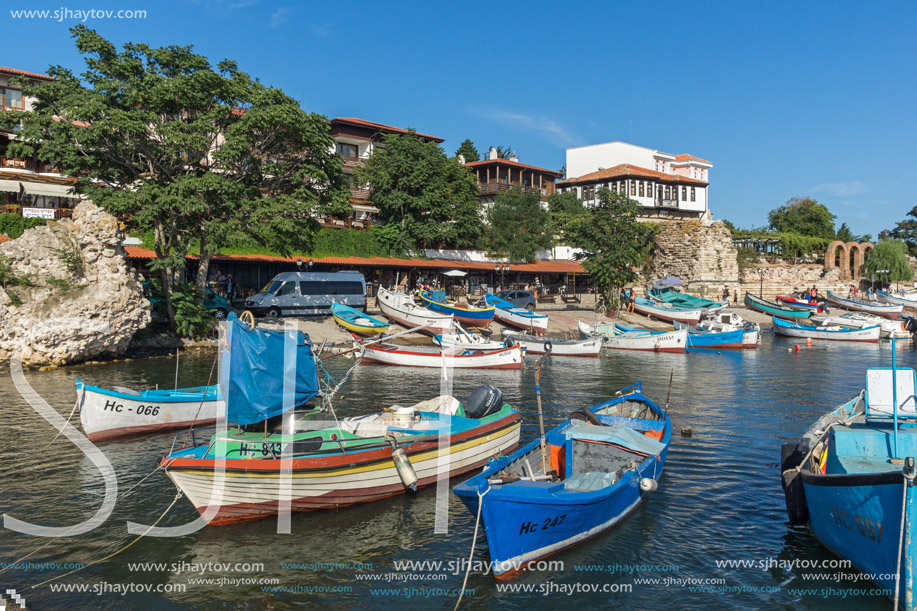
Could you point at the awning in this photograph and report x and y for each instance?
(10, 185)
(34, 188)
(365, 208)
(455, 273)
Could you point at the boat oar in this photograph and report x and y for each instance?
(665, 409)
(544, 452)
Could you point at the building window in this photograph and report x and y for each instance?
(12, 98)
(668, 192)
(633, 187)
(684, 194)
(649, 189)
(692, 194)
(346, 150)
(641, 189)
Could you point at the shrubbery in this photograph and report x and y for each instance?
(13, 225)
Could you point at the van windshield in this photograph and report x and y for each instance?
(272, 286)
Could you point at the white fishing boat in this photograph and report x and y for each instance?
(730, 321)
(588, 347)
(889, 310)
(463, 340)
(402, 309)
(427, 356)
(119, 412)
(514, 316)
(617, 337)
(907, 299)
(666, 311)
(859, 320)
(826, 332)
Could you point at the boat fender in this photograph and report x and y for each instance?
(648, 484)
(791, 456)
(403, 466)
(547, 347)
(586, 415)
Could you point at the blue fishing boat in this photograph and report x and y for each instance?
(512, 315)
(580, 479)
(699, 337)
(851, 479)
(462, 312)
(356, 321)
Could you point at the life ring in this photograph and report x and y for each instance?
(248, 318)
(548, 346)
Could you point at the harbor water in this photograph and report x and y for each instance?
(713, 536)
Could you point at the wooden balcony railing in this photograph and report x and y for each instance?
(493, 188)
(362, 194)
(333, 223)
(29, 164)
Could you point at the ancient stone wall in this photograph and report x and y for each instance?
(785, 278)
(73, 296)
(700, 253)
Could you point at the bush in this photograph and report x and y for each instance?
(191, 319)
(13, 225)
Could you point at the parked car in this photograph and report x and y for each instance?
(299, 293)
(213, 303)
(521, 299)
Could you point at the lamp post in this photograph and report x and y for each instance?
(501, 269)
(877, 272)
(310, 264)
(761, 273)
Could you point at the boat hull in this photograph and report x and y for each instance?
(585, 348)
(471, 317)
(867, 334)
(401, 309)
(725, 339)
(672, 341)
(881, 309)
(669, 315)
(884, 297)
(765, 307)
(108, 414)
(537, 323)
(507, 358)
(252, 487)
(356, 321)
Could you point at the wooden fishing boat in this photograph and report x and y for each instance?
(356, 321)
(514, 316)
(827, 332)
(800, 303)
(768, 307)
(588, 347)
(463, 340)
(907, 299)
(402, 309)
(730, 321)
(699, 337)
(332, 466)
(119, 412)
(426, 356)
(683, 300)
(595, 469)
(888, 310)
(464, 313)
(851, 479)
(618, 337)
(666, 311)
(889, 328)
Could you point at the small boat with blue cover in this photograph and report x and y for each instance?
(683, 300)
(356, 321)
(592, 471)
(462, 312)
(851, 479)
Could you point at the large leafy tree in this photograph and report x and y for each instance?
(905, 230)
(468, 151)
(803, 216)
(564, 208)
(844, 234)
(198, 153)
(429, 196)
(889, 256)
(613, 242)
(518, 227)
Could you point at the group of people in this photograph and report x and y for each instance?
(735, 295)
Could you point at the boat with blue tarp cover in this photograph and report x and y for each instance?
(682, 300)
(851, 479)
(462, 312)
(585, 476)
(239, 474)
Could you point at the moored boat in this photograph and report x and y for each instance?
(514, 316)
(907, 299)
(767, 307)
(800, 303)
(356, 321)
(587, 347)
(426, 356)
(119, 412)
(699, 337)
(402, 309)
(463, 312)
(666, 311)
(851, 479)
(461, 339)
(619, 337)
(593, 470)
(683, 300)
(827, 332)
(890, 328)
(730, 321)
(889, 310)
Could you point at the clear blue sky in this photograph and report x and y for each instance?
(795, 98)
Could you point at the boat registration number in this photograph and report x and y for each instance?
(142, 410)
(532, 527)
(866, 527)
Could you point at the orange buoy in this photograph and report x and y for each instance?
(797, 348)
(808, 341)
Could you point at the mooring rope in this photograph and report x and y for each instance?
(474, 539)
(206, 389)
(901, 541)
(73, 411)
(178, 495)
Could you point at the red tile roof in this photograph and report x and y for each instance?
(540, 267)
(515, 164)
(629, 170)
(382, 127)
(34, 75)
(686, 157)
(5, 238)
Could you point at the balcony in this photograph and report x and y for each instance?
(351, 162)
(667, 203)
(493, 188)
(28, 165)
(333, 223)
(365, 195)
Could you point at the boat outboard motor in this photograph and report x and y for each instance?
(484, 400)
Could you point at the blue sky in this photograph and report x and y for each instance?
(785, 99)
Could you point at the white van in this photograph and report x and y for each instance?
(304, 293)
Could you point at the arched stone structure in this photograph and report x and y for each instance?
(831, 256)
(849, 270)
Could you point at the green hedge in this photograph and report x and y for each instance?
(13, 225)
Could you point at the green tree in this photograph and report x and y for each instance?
(518, 227)
(906, 231)
(844, 234)
(888, 255)
(564, 209)
(613, 241)
(805, 216)
(504, 152)
(197, 153)
(430, 196)
(468, 151)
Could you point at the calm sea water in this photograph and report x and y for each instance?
(719, 499)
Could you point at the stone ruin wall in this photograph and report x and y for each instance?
(700, 253)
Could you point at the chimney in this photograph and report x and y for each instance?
(461, 159)
(513, 158)
(492, 154)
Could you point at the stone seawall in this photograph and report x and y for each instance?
(785, 278)
(700, 253)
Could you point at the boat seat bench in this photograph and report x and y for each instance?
(850, 443)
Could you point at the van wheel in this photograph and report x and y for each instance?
(273, 313)
(530, 307)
